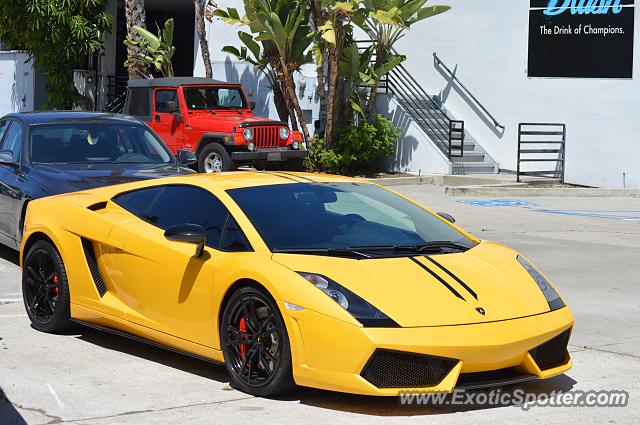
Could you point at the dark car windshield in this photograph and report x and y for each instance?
(340, 216)
(96, 143)
(212, 97)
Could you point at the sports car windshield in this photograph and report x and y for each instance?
(96, 143)
(342, 216)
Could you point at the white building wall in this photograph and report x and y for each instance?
(227, 68)
(16, 82)
(485, 43)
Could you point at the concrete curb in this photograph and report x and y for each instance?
(579, 192)
(438, 180)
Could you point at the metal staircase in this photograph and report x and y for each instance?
(440, 126)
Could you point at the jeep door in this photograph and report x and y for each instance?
(167, 121)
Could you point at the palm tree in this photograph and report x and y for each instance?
(136, 17)
(200, 6)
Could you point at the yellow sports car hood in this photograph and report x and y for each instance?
(484, 284)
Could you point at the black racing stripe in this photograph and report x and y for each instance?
(282, 177)
(456, 278)
(297, 177)
(432, 273)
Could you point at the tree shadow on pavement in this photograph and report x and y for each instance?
(8, 414)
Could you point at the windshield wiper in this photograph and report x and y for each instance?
(332, 252)
(434, 246)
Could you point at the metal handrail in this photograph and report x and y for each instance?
(475, 99)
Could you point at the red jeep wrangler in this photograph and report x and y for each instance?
(213, 119)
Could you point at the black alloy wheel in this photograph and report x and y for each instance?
(255, 344)
(44, 288)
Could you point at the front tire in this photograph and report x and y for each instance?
(255, 344)
(214, 158)
(45, 288)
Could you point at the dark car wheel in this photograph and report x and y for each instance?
(214, 158)
(255, 344)
(45, 289)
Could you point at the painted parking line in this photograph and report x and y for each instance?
(500, 203)
(621, 215)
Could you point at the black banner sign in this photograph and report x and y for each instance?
(581, 38)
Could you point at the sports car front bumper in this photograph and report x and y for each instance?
(331, 354)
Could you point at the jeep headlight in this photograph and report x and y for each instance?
(550, 294)
(284, 133)
(248, 134)
(361, 310)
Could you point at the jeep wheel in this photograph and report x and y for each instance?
(214, 158)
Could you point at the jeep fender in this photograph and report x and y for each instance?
(213, 138)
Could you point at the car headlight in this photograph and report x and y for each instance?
(248, 134)
(251, 147)
(284, 133)
(295, 145)
(550, 294)
(361, 310)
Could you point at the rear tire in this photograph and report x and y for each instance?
(255, 344)
(214, 158)
(45, 288)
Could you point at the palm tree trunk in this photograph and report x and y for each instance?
(136, 16)
(281, 82)
(332, 95)
(202, 35)
(291, 95)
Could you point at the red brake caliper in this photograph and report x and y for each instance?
(55, 280)
(242, 327)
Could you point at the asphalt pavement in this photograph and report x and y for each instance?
(589, 247)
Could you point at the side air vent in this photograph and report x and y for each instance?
(98, 206)
(90, 255)
(553, 352)
(396, 369)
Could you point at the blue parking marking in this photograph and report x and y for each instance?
(622, 215)
(500, 203)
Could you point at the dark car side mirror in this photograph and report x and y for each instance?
(186, 157)
(447, 217)
(171, 107)
(252, 105)
(188, 233)
(6, 157)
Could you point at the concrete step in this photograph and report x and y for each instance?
(473, 168)
(470, 156)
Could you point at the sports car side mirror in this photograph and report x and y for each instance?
(186, 157)
(447, 217)
(188, 233)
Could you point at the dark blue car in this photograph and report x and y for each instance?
(48, 153)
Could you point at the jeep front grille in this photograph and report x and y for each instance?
(266, 137)
(397, 369)
(553, 352)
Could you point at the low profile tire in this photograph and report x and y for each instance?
(255, 344)
(214, 158)
(45, 289)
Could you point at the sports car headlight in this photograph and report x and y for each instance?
(248, 134)
(552, 297)
(284, 133)
(361, 310)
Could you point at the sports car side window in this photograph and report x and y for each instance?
(138, 202)
(233, 239)
(182, 204)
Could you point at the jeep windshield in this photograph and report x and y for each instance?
(210, 98)
(96, 143)
(344, 219)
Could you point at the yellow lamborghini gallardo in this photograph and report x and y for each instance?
(292, 278)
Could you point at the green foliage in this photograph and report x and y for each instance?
(321, 159)
(357, 148)
(156, 50)
(57, 34)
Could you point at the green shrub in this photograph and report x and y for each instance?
(362, 147)
(322, 160)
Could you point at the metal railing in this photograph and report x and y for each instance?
(446, 133)
(548, 140)
(441, 64)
